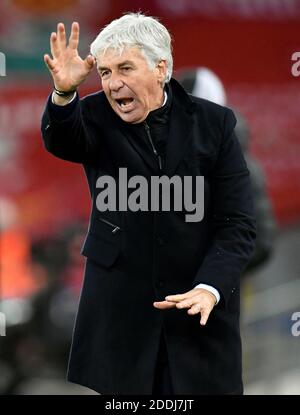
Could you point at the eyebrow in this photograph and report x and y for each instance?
(127, 62)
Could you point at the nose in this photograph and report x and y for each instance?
(115, 83)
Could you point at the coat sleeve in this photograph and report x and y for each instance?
(232, 217)
(70, 135)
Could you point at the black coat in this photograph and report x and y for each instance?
(155, 254)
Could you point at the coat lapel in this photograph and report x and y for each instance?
(181, 125)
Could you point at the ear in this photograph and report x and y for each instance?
(161, 69)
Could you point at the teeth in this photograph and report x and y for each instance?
(125, 103)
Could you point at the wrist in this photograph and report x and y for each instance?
(64, 94)
(62, 100)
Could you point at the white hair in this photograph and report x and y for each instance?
(137, 30)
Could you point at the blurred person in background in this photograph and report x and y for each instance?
(54, 306)
(73, 234)
(39, 323)
(149, 275)
(204, 83)
(265, 219)
(16, 275)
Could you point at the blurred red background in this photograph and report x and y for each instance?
(250, 49)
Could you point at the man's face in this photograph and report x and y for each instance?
(131, 87)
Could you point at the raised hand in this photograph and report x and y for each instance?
(67, 68)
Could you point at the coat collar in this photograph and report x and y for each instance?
(180, 127)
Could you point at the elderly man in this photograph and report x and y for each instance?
(159, 308)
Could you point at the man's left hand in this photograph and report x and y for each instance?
(197, 300)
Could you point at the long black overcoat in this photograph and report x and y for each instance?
(136, 258)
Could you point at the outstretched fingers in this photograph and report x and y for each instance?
(61, 35)
(163, 305)
(90, 62)
(194, 309)
(54, 45)
(74, 36)
(205, 312)
(183, 300)
(49, 62)
(180, 297)
(197, 300)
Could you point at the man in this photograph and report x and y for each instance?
(151, 276)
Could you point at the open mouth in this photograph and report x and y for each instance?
(125, 103)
